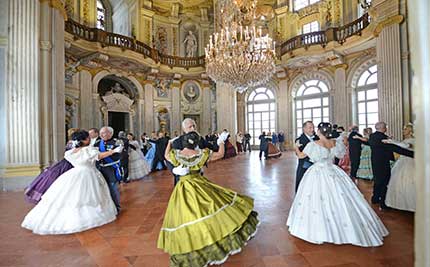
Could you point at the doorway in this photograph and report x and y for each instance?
(119, 121)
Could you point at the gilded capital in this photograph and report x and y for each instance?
(387, 22)
(57, 4)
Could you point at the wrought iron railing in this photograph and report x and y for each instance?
(338, 34)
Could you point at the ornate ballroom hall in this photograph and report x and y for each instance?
(247, 66)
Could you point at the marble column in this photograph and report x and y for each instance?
(97, 114)
(339, 95)
(21, 116)
(140, 117)
(206, 126)
(86, 97)
(176, 119)
(285, 116)
(241, 112)
(418, 17)
(226, 107)
(149, 108)
(390, 79)
(52, 87)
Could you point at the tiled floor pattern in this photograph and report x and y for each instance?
(131, 239)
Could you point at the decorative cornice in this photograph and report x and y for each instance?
(397, 19)
(343, 66)
(57, 4)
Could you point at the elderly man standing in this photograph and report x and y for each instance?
(189, 125)
(110, 167)
(380, 157)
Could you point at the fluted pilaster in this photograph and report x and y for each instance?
(149, 107)
(341, 99)
(390, 79)
(22, 84)
(86, 99)
(206, 110)
(226, 107)
(175, 124)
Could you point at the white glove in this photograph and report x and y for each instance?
(222, 137)
(118, 149)
(181, 170)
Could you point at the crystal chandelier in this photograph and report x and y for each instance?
(238, 53)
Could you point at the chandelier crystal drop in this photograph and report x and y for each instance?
(238, 53)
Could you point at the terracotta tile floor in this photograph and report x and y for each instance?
(131, 239)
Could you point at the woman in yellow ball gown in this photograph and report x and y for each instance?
(204, 223)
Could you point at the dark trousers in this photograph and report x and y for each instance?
(299, 175)
(170, 168)
(336, 161)
(381, 174)
(247, 146)
(110, 177)
(158, 158)
(266, 152)
(355, 163)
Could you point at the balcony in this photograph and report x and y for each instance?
(337, 34)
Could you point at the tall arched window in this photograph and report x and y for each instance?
(367, 98)
(261, 113)
(101, 16)
(311, 103)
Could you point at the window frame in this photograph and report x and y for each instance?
(366, 88)
(258, 115)
(303, 97)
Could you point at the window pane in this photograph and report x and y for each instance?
(309, 103)
(260, 97)
(266, 124)
(372, 94)
(307, 113)
(326, 112)
(361, 95)
(325, 101)
(299, 132)
(270, 94)
(373, 69)
(316, 121)
(299, 114)
(251, 96)
(298, 104)
(261, 107)
(372, 79)
(301, 89)
(316, 112)
(272, 115)
(250, 125)
(326, 119)
(362, 119)
(257, 116)
(363, 78)
(265, 116)
(272, 106)
(260, 90)
(372, 118)
(250, 117)
(312, 90)
(311, 83)
(372, 106)
(361, 108)
(272, 125)
(257, 125)
(323, 86)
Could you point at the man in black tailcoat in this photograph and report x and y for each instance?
(354, 150)
(307, 136)
(380, 157)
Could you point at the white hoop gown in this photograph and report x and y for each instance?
(328, 206)
(78, 200)
(401, 192)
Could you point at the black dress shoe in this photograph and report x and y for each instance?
(375, 201)
(384, 207)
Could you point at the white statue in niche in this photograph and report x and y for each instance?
(190, 45)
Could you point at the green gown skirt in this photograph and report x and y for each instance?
(205, 223)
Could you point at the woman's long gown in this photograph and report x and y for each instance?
(365, 168)
(204, 223)
(78, 200)
(150, 155)
(137, 165)
(328, 206)
(44, 180)
(401, 192)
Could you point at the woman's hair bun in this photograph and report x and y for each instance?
(325, 129)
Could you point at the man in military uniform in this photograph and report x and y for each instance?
(110, 167)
